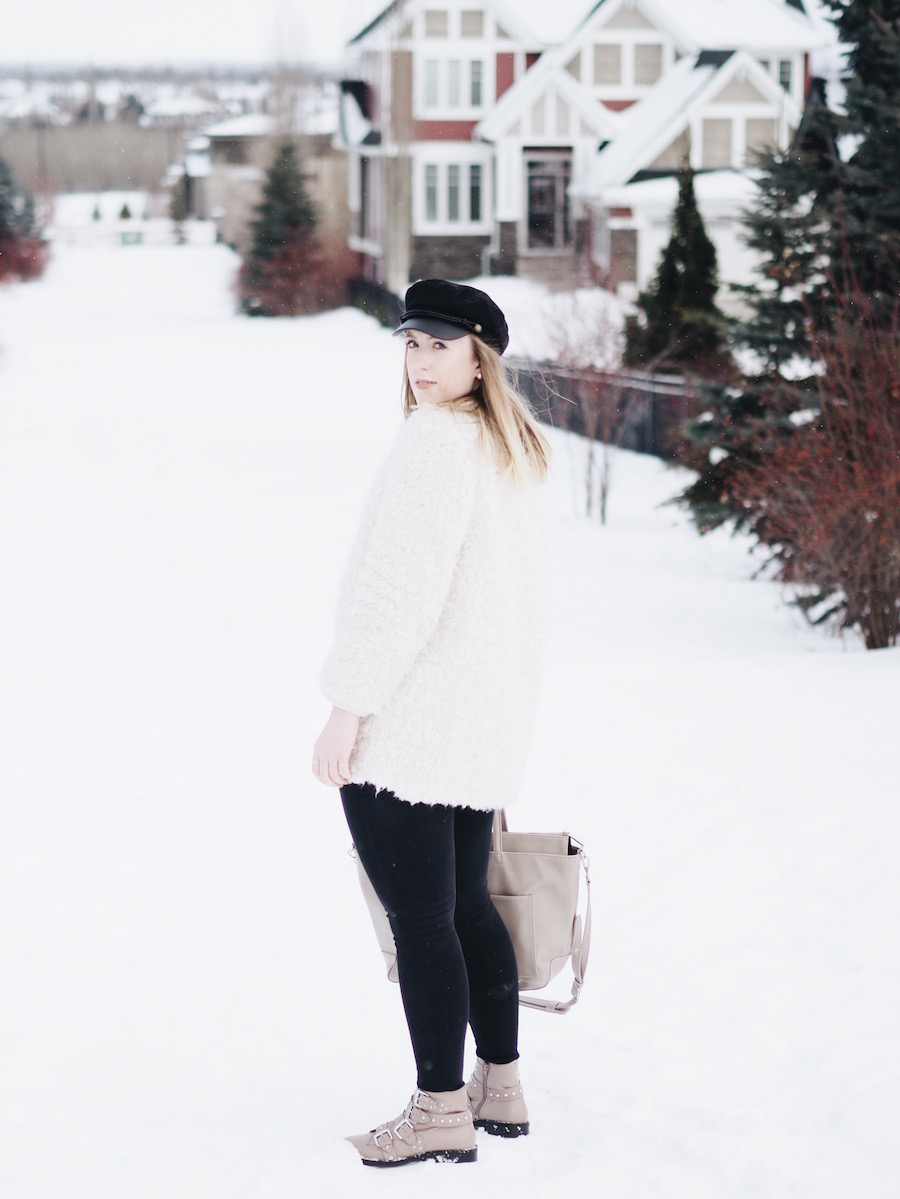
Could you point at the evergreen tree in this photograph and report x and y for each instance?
(22, 252)
(867, 204)
(681, 325)
(825, 228)
(280, 275)
(16, 207)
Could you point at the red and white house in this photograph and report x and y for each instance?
(486, 137)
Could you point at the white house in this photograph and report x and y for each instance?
(716, 111)
(486, 137)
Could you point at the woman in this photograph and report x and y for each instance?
(433, 677)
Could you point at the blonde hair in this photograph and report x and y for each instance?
(508, 426)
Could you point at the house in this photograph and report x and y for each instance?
(225, 166)
(717, 111)
(485, 138)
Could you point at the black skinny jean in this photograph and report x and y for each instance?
(428, 865)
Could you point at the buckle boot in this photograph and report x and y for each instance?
(497, 1100)
(432, 1127)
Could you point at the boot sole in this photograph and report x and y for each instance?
(436, 1155)
(497, 1128)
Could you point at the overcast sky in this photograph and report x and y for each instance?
(177, 31)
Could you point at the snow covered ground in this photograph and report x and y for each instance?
(192, 1003)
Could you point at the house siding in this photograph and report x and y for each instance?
(447, 257)
(506, 72)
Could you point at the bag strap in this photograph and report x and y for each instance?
(581, 952)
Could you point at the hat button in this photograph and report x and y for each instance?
(478, 328)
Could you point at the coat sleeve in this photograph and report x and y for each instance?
(402, 566)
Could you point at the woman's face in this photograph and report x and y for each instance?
(440, 371)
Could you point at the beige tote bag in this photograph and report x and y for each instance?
(533, 879)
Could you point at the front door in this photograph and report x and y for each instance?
(549, 227)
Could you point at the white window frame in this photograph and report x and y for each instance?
(444, 85)
(628, 41)
(738, 114)
(443, 159)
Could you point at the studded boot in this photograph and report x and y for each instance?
(436, 1127)
(497, 1100)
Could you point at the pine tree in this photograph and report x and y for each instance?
(22, 252)
(280, 275)
(825, 228)
(804, 453)
(16, 207)
(682, 326)
(867, 205)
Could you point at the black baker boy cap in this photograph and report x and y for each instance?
(450, 310)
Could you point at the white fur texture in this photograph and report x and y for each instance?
(441, 621)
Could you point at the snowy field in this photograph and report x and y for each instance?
(192, 1004)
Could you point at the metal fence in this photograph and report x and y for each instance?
(643, 412)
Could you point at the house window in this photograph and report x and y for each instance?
(476, 71)
(765, 64)
(475, 192)
(454, 78)
(453, 193)
(717, 143)
(623, 255)
(435, 23)
(432, 82)
(784, 73)
(548, 203)
(471, 23)
(647, 63)
(454, 83)
(607, 63)
(431, 193)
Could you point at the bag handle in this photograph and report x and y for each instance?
(581, 952)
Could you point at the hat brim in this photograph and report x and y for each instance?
(434, 328)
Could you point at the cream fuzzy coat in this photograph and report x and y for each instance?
(441, 619)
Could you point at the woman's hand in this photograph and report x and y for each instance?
(331, 756)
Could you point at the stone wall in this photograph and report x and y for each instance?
(447, 257)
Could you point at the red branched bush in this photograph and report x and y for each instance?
(22, 258)
(831, 491)
(306, 277)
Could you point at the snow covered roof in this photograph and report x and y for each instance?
(651, 125)
(729, 24)
(197, 165)
(185, 105)
(727, 188)
(535, 21)
(726, 24)
(251, 124)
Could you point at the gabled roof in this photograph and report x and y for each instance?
(656, 121)
(756, 24)
(251, 124)
(746, 24)
(547, 75)
(524, 20)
